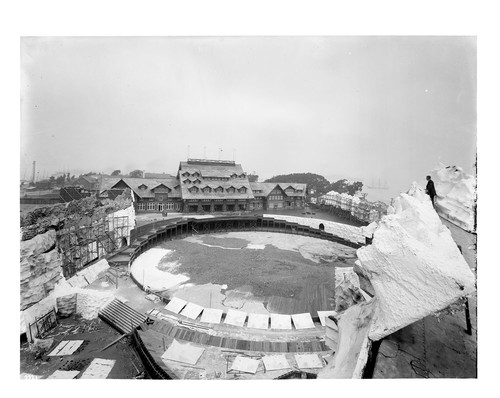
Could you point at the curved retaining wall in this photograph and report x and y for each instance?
(148, 236)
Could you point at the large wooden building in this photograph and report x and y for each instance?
(206, 186)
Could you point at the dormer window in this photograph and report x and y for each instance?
(193, 189)
(234, 175)
(196, 174)
(242, 190)
(219, 190)
(230, 190)
(196, 181)
(242, 175)
(187, 181)
(207, 190)
(185, 174)
(177, 187)
(142, 186)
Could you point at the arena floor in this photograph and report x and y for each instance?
(258, 272)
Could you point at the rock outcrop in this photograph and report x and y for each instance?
(456, 196)
(41, 268)
(414, 266)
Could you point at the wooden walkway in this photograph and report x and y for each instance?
(196, 337)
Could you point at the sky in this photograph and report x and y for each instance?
(386, 108)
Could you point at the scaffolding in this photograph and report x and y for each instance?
(85, 240)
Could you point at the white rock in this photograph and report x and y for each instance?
(414, 266)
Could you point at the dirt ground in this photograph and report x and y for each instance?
(96, 335)
(269, 271)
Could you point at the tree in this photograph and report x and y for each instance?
(135, 174)
(60, 180)
(116, 173)
(343, 186)
(253, 177)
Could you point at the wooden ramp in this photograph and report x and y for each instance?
(122, 317)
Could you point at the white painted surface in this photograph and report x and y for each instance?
(323, 314)
(98, 369)
(303, 321)
(275, 362)
(308, 361)
(186, 353)
(66, 347)
(192, 311)
(348, 232)
(211, 315)
(258, 321)
(281, 321)
(175, 305)
(244, 364)
(146, 271)
(64, 374)
(235, 318)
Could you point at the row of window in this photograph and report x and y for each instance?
(218, 190)
(275, 197)
(157, 206)
(196, 174)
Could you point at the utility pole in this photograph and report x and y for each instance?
(34, 169)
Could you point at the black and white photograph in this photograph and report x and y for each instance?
(248, 207)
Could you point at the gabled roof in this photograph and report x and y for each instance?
(268, 187)
(134, 184)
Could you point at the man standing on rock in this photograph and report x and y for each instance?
(430, 190)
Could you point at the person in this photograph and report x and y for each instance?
(430, 189)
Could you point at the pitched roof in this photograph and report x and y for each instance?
(268, 187)
(214, 169)
(134, 183)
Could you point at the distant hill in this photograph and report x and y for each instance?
(319, 183)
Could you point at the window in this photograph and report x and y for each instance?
(193, 189)
(196, 174)
(142, 186)
(242, 190)
(219, 189)
(160, 198)
(230, 190)
(151, 205)
(196, 181)
(141, 206)
(185, 174)
(187, 181)
(234, 175)
(207, 190)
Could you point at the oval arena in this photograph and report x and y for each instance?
(234, 285)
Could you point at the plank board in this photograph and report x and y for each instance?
(308, 361)
(184, 353)
(235, 318)
(192, 311)
(245, 364)
(281, 321)
(258, 321)
(98, 369)
(323, 314)
(64, 374)
(175, 305)
(211, 315)
(303, 321)
(66, 347)
(275, 362)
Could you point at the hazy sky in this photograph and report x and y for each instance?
(360, 107)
